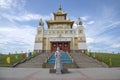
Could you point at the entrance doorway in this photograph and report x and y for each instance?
(64, 46)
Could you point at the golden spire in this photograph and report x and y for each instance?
(60, 9)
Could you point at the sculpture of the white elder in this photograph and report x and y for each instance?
(58, 65)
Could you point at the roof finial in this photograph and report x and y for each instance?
(79, 22)
(41, 22)
(60, 9)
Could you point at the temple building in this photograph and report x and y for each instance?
(60, 33)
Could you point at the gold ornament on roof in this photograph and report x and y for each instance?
(60, 9)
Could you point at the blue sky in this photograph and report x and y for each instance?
(19, 20)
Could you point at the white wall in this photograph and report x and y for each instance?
(38, 46)
(82, 45)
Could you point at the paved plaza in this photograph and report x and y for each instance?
(74, 74)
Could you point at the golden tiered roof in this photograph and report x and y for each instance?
(60, 12)
(62, 21)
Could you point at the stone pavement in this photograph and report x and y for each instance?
(75, 74)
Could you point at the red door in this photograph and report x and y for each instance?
(53, 46)
(64, 46)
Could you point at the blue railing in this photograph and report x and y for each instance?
(65, 58)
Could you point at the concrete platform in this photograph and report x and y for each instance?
(74, 74)
(63, 71)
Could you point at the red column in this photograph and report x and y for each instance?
(56, 45)
(63, 46)
(69, 47)
(51, 46)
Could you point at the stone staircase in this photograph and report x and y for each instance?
(84, 61)
(35, 62)
(81, 60)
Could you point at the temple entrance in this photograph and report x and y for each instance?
(64, 46)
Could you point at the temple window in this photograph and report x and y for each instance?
(39, 31)
(80, 38)
(80, 31)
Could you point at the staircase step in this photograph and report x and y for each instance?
(84, 61)
(35, 62)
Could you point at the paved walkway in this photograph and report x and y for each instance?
(75, 74)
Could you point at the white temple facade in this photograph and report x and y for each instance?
(60, 33)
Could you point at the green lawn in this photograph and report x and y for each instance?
(12, 58)
(104, 57)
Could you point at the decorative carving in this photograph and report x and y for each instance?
(39, 31)
(60, 35)
(80, 31)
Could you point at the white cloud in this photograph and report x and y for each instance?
(90, 40)
(115, 45)
(5, 3)
(114, 24)
(98, 40)
(14, 10)
(17, 38)
(25, 17)
(104, 22)
(10, 4)
(74, 26)
(84, 18)
(90, 22)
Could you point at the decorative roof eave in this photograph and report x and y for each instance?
(60, 13)
(59, 22)
(54, 21)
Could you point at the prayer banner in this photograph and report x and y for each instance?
(16, 56)
(94, 55)
(110, 61)
(23, 56)
(8, 60)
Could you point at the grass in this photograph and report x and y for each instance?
(13, 59)
(104, 57)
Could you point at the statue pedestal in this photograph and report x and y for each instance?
(64, 70)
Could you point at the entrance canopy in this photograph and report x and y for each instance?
(59, 39)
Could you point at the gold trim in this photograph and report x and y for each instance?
(59, 22)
